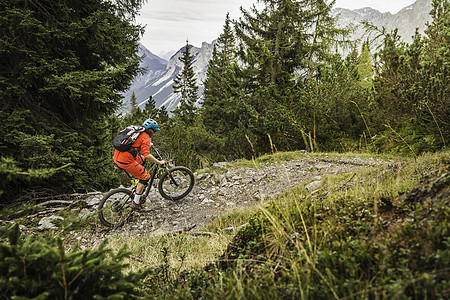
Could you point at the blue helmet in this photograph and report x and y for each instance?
(151, 124)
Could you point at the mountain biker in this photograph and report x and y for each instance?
(134, 165)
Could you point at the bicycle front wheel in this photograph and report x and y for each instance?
(176, 183)
(115, 207)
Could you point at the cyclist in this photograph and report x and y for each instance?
(134, 165)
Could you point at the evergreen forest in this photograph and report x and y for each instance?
(277, 82)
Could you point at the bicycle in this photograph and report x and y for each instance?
(174, 184)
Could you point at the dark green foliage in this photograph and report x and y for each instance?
(341, 105)
(63, 66)
(348, 247)
(185, 84)
(57, 57)
(412, 85)
(221, 110)
(176, 139)
(224, 111)
(150, 109)
(28, 141)
(38, 269)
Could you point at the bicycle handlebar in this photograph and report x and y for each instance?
(156, 150)
(161, 156)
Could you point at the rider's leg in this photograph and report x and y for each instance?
(139, 190)
(138, 171)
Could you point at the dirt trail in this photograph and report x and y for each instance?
(217, 191)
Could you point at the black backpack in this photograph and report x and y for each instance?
(124, 140)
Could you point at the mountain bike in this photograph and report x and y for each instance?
(174, 184)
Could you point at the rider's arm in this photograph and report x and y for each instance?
(153, 159)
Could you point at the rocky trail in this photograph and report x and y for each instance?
(216, 191)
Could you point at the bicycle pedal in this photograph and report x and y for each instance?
(137, 207)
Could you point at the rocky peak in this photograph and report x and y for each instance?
(368, 13)
(158, 81)
(406, 20)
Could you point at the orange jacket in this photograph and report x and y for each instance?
(142, 145)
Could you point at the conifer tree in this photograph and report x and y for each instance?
(221, 108)
(133, 103)
(365, 67)
(150, 110)
(185, 84)
(163, 115)
(281, 47)
(64, 65)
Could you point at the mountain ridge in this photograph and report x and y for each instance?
(157, 80)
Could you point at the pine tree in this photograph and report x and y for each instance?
(133, 103)
(365, 67)
(163, 115)
(150, 110)
(185, 84)
(282, 46)
(221, 107)
(64, 64)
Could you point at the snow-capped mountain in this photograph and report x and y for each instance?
(154, 68)
(406, 20)
(158, 80)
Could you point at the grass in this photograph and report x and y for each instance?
(353, 238)
(377, 233)
(182, 252)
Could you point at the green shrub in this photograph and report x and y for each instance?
(36, 269)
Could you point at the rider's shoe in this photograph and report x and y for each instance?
(136, 207)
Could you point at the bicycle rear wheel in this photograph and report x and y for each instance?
(115, 207)
(176, 183)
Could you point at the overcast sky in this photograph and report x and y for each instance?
(169, 23)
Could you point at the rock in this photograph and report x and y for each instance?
(94, 200)
(206, 201)
(312, 186)
(46, 222)
(203, 176)
(247, 180)
(84, 213)
(223, 181)
(219, 165)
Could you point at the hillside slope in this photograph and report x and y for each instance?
(288, 225)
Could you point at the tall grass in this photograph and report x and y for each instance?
(357, 236)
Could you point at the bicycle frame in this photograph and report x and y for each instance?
(150, 182)
(152, 176)
(118, 201)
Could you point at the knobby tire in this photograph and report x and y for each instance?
(115, 207)
(176, 183)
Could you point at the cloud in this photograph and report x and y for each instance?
(170, 22)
